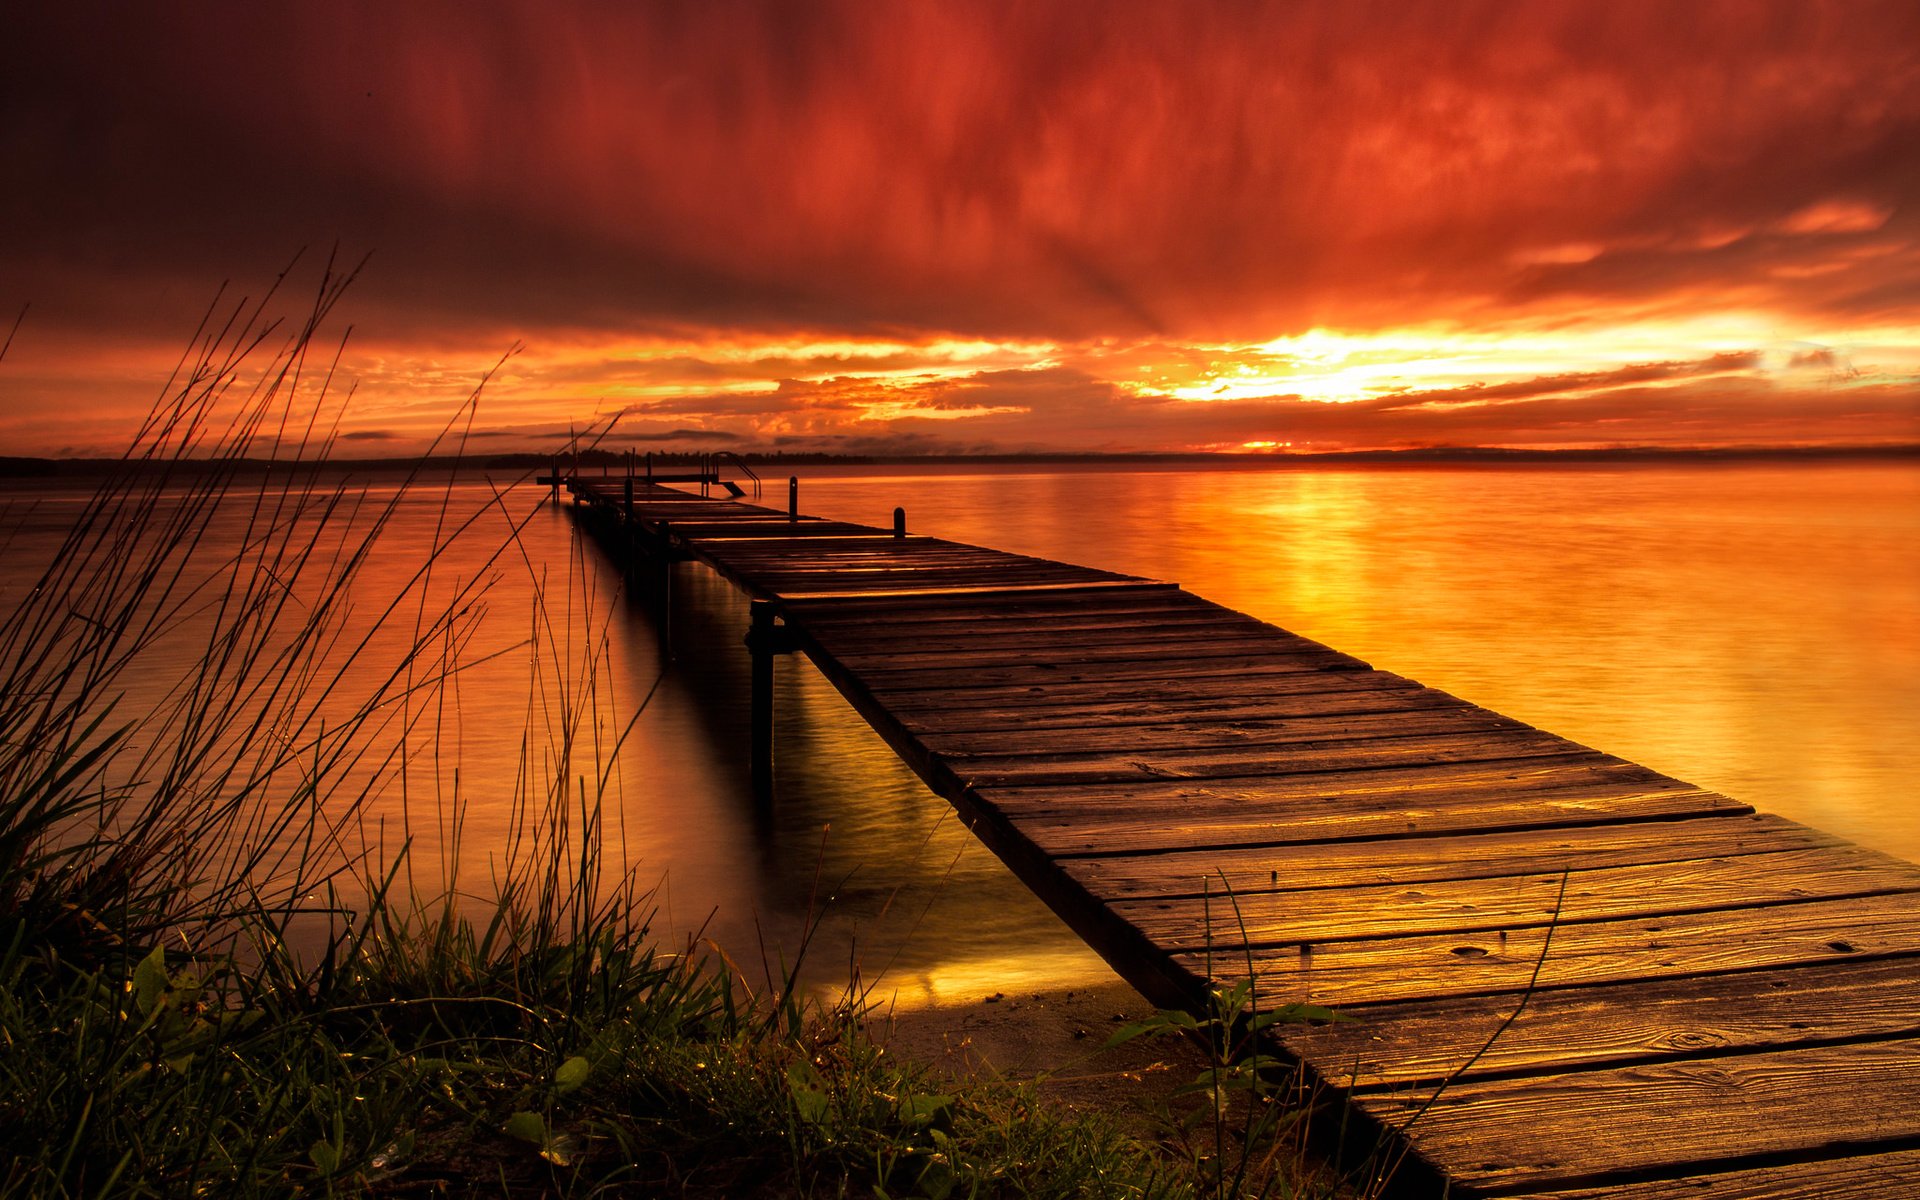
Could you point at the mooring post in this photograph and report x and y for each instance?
(628, 495)
(793, 497)
(649, 468)
(899, 522)
(760, 642)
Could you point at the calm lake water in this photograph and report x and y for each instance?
(1752, 629)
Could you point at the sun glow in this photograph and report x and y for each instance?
(1333, 367)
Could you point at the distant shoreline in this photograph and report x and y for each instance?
(23, 467)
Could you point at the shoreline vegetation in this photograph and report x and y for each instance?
(218, 976)
(28, 467)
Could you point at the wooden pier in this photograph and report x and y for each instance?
(1571, 976)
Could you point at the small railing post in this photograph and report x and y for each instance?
(793, 497)
(900, 522)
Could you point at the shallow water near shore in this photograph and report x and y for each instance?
(1750, 628)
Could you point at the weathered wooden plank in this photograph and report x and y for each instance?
(1400, 720)
(1310, 867)
(876, 633)
(776, 550)
(1510, 740)
(943, 592)
(1229, 922)
(1866, 1176)
(1086, 827)
(1140, 595)
(1591, 1126)
(859, 563)
(1410, 790)
(833, 554)
(972, 729)
(1426, 1041)
(1043, 674)
(1067, 651)
(1250, 690)
(1344, 974)
(829, 583)
(885, 643)
(808, 577)
(708, 529)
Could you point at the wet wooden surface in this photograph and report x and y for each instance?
(1565, 976)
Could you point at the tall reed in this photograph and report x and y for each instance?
(221, 975)
(189, 884)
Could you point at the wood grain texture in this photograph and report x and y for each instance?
(1283, 659)
(878, 634)
(1867, 1176)
(1072, 652)
(1428, 966)
(1584, 1126)
(1250, 690)
(1413, 860)
(1394, 1045)
(1401, 716)
(1280, 756)
(1067, 822)
(1265, 919)
(1140, 597)
(965, 728)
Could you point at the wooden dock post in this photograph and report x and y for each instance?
(899, 522)
(760, 642)
(793, 497)
(627, 496)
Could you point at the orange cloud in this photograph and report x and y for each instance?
(618, 180)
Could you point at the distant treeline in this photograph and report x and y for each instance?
(75, 468)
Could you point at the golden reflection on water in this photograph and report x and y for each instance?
(1754, 629)
(1751, 629)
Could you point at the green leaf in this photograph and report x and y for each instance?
(529, 1127)
(809, 1101)
(1299, 1014)
(925, 1110)
(150, 981)
(571, 1075)
(1158, 1025)
(325, 1156)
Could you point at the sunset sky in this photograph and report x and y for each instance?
(918, 227)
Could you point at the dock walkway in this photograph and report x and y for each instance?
(1711, 1002)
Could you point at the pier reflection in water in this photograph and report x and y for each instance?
(1752, 629)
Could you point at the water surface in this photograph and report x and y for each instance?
(1752, 629)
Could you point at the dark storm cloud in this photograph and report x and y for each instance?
(592, 172)
(996, 168)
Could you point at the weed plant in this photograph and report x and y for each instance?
(215, 981)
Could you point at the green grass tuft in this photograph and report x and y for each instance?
(213, 981)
